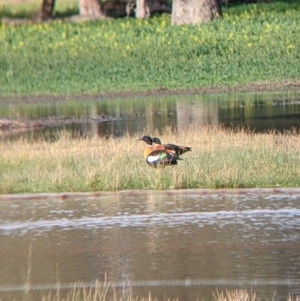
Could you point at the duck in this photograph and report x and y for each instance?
(177, 149)
(157, 157)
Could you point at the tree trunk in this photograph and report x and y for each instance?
(90, 8)
(159, 6)
(46, 10)
(142, 9)
(195, 11)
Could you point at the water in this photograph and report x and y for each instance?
(258, 112)
(184, 244)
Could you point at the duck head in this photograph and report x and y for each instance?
(156, 140)
(146, 139)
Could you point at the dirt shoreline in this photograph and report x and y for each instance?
(287, 86)
(206, 192)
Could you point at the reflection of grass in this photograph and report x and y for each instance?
(220, 159)
(252, 43)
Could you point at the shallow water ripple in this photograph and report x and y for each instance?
(185, 243)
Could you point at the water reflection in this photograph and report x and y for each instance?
(258, 112)
(182, 244)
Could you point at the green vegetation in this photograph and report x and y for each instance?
(220, 159)
(28, 8)
(252, 43)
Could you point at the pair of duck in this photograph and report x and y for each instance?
(157, 154)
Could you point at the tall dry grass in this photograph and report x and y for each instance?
(220, 158)
(106, 292)
(101, 291)
(236, 295)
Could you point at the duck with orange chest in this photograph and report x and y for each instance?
(158, 157)
(177, 149)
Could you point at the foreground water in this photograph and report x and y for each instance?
(183, 244)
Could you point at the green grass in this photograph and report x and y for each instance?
(28, 8)
(252, 43)
(220, 159)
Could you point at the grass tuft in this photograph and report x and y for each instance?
(236, 295)
(220, 158)
(106, 292)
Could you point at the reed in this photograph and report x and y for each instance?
(221, 158)
(106, 292)
(236, 295)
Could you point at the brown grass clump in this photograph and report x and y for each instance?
(100, 291)
(106, 292)
(220, 158)
(236, 295)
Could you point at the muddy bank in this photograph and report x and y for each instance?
(18, 124)
(167, 193)
(247, 88)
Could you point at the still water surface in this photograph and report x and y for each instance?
(183, 244)
(116, 117)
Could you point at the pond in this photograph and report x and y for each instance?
(184, 244)
(117, 117)
(175, 244)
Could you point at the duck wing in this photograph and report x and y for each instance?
(161, 158)
(178, 148)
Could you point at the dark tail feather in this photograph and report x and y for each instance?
(173, 162)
